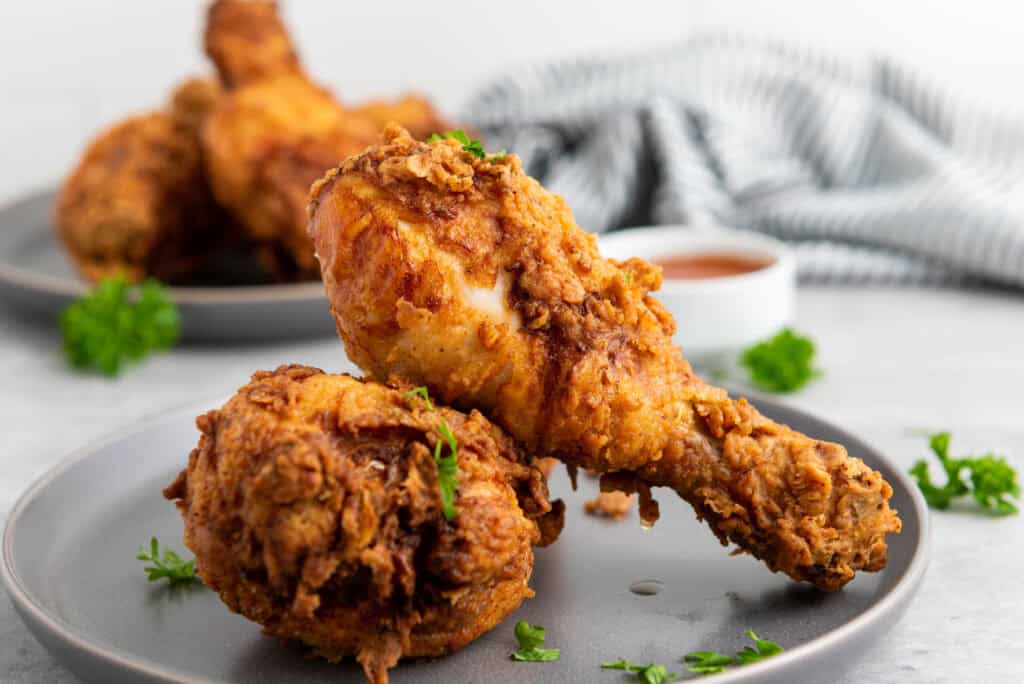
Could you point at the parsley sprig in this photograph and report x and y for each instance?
(530, 638)
(712, 662)
(117, 322)
(447, 470)
(423, 394)
(761, 649)
(708, 662)
(784, 363)
(169, 566)
(651, 673)
(991, 479)
(447, 466)
(474, 147)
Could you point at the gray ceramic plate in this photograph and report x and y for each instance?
(36, 279)
(68, 565)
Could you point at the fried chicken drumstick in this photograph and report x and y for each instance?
(137, 202)
(312, 506)
(276, 131)
(465, 275)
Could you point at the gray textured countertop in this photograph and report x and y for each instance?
(897, 363)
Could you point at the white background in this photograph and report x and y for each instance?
(71, 66)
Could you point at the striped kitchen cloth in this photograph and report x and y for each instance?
(874, 175)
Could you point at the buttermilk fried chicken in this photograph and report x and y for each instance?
(276, 131)
(137, 202)
(248, 42)
(313, 507)
(465, 275)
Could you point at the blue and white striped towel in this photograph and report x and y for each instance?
(874, 175)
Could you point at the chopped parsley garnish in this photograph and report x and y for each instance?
(530, 638)
(116, 322)
(991, 479)
(784, 363)
(712, 662)
(447, 466)
(622, 664)
(708, 662)
(474, 147)
(447, 470)
(651, 673)
(761, 649)
(169, 566)
(423, 394)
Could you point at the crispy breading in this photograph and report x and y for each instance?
(276, 131)
(313, 508)
(613, 504)
(137, 202)
(248, 42)
(265, 144)
(465, 275)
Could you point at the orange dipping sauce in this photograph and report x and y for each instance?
(709, 265)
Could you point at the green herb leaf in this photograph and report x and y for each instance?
(707, 662)
(422, 393)
(458, 135)
(651, 673)
(530, 638)
(169, 566)
(712, 662)
(447, 466)
(447, 470)
(784, 363)
(537, 655)
(762, 649)
(622, 664)
(116, 322)
(991, 479)
(474, 147)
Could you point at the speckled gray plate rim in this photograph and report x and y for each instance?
(70, 643)
(22, 598)
(36, 277)
(73, 287)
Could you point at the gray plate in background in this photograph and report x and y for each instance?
(36, 279)
(68, 564)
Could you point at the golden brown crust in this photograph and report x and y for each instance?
(273, 134)
(265, 144)
(312, 506)
(615, 504)
(248, 42)
(577, 361)
(277, 131)
(137, 202)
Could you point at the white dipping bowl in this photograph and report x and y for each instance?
(719, 316)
